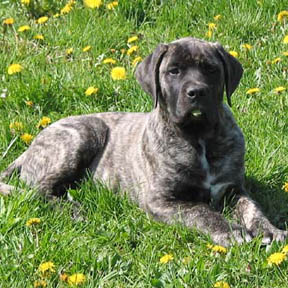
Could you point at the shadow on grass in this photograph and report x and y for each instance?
(272, 200)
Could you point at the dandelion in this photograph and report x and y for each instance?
(123, 51)
(25, 2)
(166, 258)
(233, 53)
(92, 3)
(109, 61)
(24, 28)
(33, 221)
(276, 258)
(136, 61)
(46, 267)
(56, 15)
(132, 39)
(279, 89)
(209, 34)
(86, 48)
(44, 122)
(118, 73)
(132, 50)
(285, 248)
(218, 249)
(16, 126)
(282, 15)
(91, 90)
(112, 5)
(217, 17)
(76, 279)
(8, 21)
(276, 60)
(39, 37)
(14, 68)
(63, 277)
(285, 187)
(247, 46)
(40, 283)
(221, 284)
(26, 138)
(42, 20)
(69, 51)
(67, 8)
(285, 53)
(211, 26)
(252, 91)
(29, 103)
(285, 40)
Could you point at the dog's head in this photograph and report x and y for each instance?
(187, 78)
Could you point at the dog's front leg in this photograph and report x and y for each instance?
(199, 216)
(252, 218)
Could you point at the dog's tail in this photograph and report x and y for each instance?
(15, 166)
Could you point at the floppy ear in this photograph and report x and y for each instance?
(233, 71)
(147, 72)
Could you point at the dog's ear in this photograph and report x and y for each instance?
(147, 72)
(233, 71)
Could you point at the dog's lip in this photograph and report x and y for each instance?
(196, 113)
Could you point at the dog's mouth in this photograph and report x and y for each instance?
(197, 114)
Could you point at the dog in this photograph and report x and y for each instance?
(177, 162)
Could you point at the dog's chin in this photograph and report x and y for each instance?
(191, 118)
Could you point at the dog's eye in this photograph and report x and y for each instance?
(174, 71)
(209, 67)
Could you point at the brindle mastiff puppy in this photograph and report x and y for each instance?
(177, 162)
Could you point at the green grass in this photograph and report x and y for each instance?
(118, 245)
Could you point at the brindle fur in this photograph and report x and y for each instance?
(176, 166)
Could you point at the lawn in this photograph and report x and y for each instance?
(118, 245)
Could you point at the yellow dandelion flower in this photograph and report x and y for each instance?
(233, 53)
(91, 90)
(14, 68)
(247, 46)
(217, 17)
(221, 284)
(166, 258)
(92, 3)
(109, 61)
(285, 40)
(25, 2)
(219, 249)
(132, 39)
(282, 15)
(24, 28)
(26, 138)
(76, 279)
(276, 60)
(112, 5)
(8, 21)
(44, 122)
(118, 73)
(252, 91)
(285, 53)
(132, 50)
(42, 20)
(279, 89)
(16, 126)
(123, 51)
(276, 258)
(285, 187)
(136, 61)
(46, 267)
(33, 221)
(285, 248)
(211, 26)
(209, 34)
(66, 9)
(86, 48)
(56, 15)
(63, 277)
(40, 283)
(39, 37)
(69, 51)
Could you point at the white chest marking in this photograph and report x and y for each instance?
(217, 190)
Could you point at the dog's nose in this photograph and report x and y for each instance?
(195, 92)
